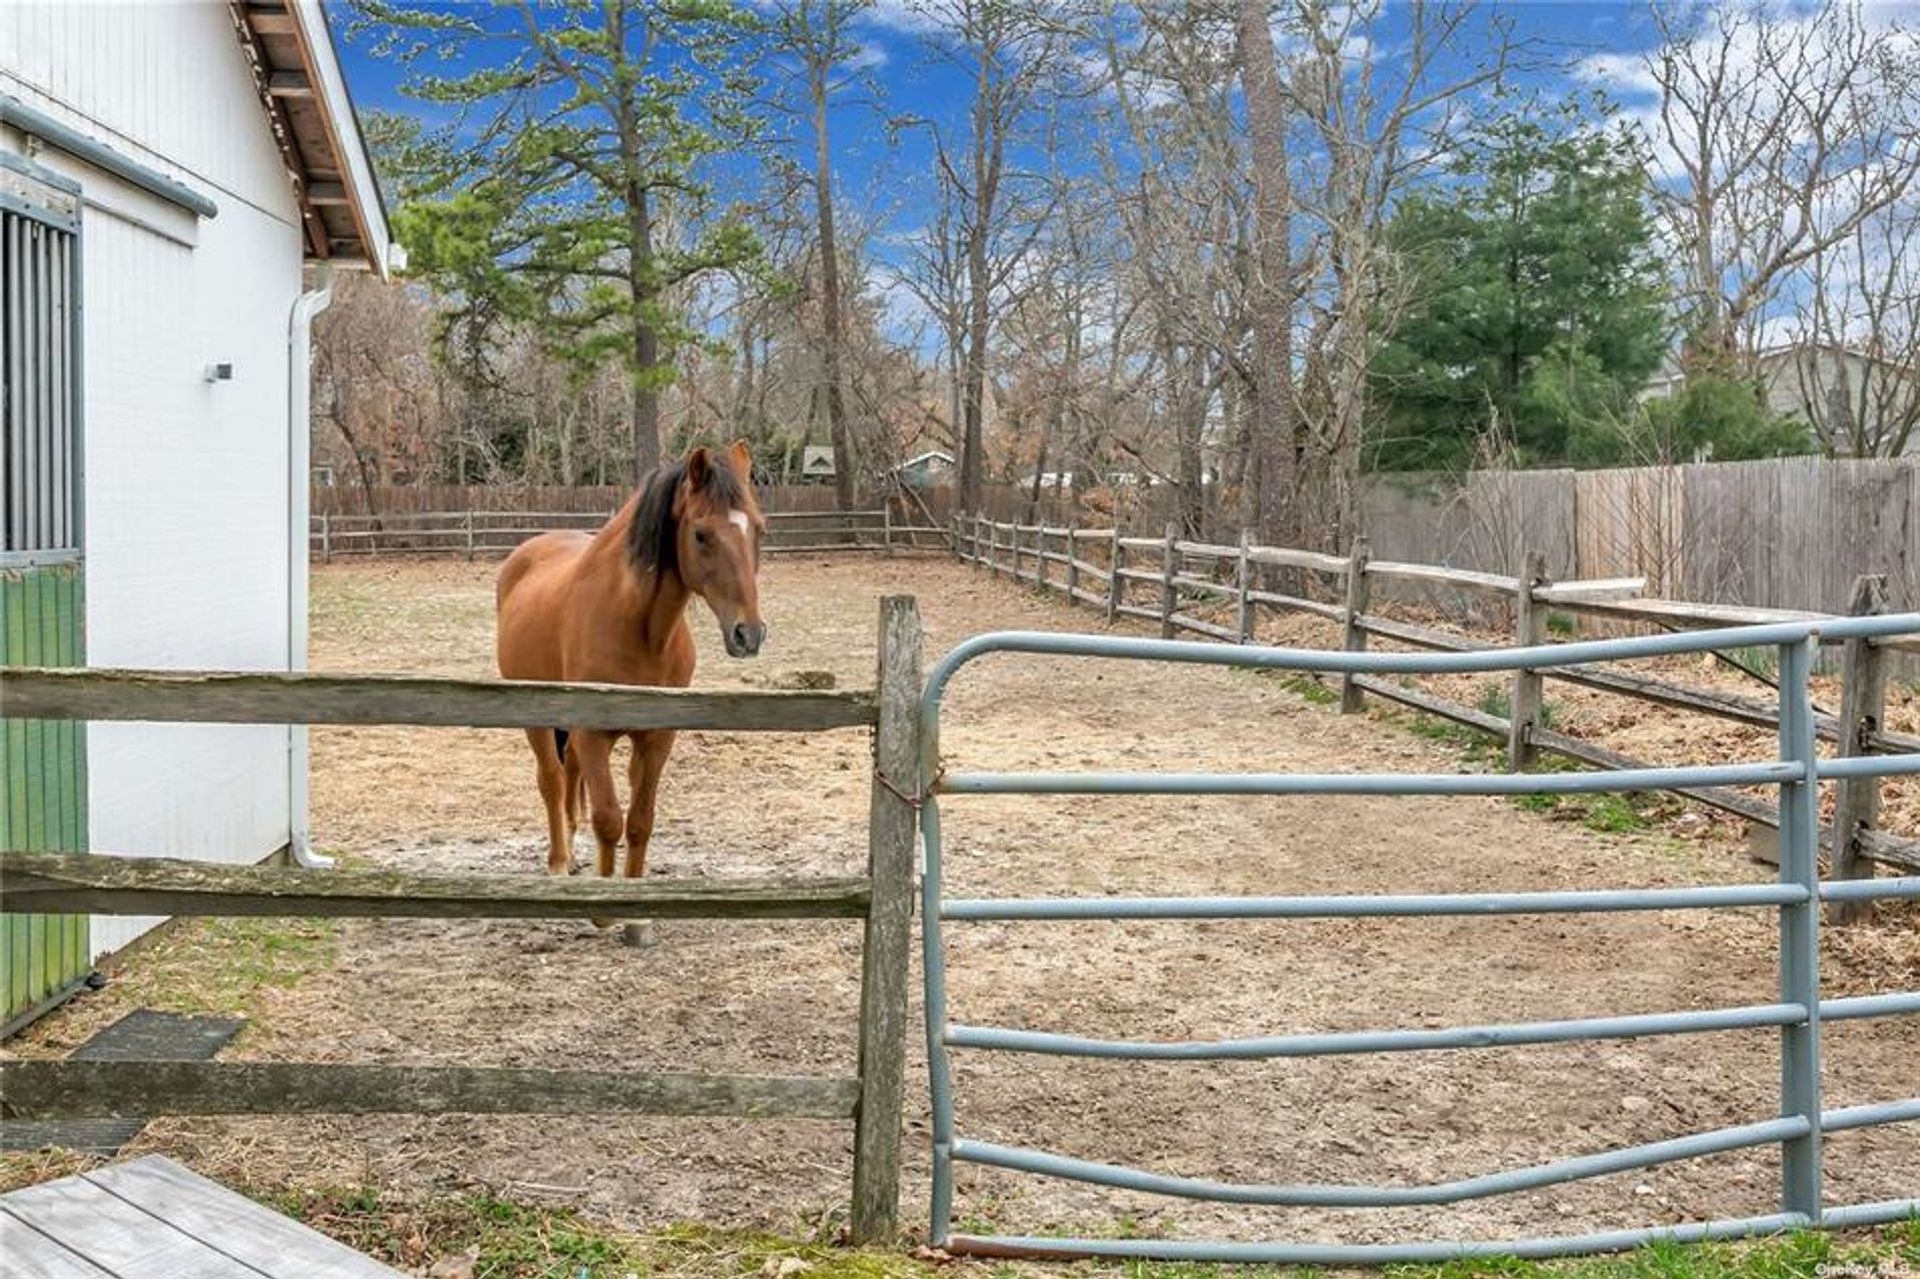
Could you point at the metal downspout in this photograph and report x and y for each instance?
(299, 515)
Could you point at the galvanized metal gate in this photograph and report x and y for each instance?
(43, 807)
(1797, 896)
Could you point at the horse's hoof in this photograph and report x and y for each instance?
(638, 934)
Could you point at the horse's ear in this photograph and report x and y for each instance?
(697, 464)
(741, 456)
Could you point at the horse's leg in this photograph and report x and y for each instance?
(650, 751)
(603, 804)
(552, 778)
(575, 783)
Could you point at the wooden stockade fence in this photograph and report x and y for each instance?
(98, 883)
(1149, 579)
(478, 533)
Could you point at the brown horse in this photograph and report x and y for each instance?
(610, 607)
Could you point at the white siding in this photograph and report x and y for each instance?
(163, 82)
(186, 481)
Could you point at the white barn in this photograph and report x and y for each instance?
(168, 172)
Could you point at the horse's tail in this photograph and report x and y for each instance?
(560, 743)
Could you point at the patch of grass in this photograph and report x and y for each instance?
(1560, 624)
(1309, 688)
(1764, 662)
(222, 966)
(510, 1240)
(1497, 701)
(1604, 813)
(1892, 1253)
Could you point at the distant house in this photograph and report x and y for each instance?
(1826, 386)
(816, 463)
(927, 470)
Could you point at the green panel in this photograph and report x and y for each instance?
(45, 791)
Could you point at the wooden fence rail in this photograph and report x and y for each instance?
(279, 697)
(53, 883)
(475, 533)
(72, 1089)
(98, 883)
(1177, 571)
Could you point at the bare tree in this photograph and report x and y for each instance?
(820, 35)
(1273, 426)
(1786, 134)
(1854, 357)
(1372, 130)
(1012, 51)
(377, 388)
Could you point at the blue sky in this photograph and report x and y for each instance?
(885, 177)
(915, 81)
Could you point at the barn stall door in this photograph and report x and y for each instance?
(43, 807)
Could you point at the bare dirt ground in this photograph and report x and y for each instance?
(781, 997)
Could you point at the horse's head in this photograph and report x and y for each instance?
(698, 518)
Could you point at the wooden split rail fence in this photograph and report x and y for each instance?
(1157, 579)
(870, 1095)
(474, 534)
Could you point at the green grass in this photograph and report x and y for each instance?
(1309, 688)
(1561, 624)
(1764, 662)
(510, 1240)
(223, 966)
(1893, 1253)
(1496, 701)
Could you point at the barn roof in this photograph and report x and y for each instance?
(297, 71)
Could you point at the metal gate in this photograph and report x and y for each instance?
(1799, 1011)
(43, 807)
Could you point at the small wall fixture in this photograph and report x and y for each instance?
(219, 373)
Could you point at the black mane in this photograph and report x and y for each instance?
(651, 538)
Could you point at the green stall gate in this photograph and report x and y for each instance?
(43, 807)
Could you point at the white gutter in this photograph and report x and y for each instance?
(299, 515)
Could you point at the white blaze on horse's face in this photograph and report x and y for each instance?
(719, 543)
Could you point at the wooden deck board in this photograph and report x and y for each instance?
(152, 1219)
(24, 1252)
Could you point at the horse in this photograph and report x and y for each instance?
(610, 607)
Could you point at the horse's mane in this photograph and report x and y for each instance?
(651, 538)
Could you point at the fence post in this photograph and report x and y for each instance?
(1040, 556)
(1169, 561)
(469, 525)
(326, 539)
(1243, 579)
(1863, 693)
(1800, 936)
(892, 823)
(886, 529)
(993, 548)
(1353, 634)
(1073, 561)
(1116, 585)
(1529, 629)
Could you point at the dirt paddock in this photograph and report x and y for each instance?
(781, 997)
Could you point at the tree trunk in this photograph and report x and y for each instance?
(830, 316)
(646, 347)
(640, 288)
(1272, 463)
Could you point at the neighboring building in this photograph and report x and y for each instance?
(928, 470)
(1840, 393)
(816, 463)
(166, 172)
